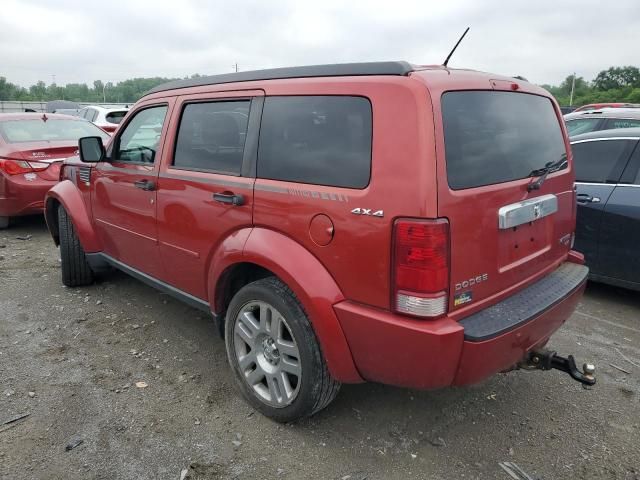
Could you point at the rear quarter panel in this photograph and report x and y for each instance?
(402, 184)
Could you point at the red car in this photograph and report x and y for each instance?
(382, 221)
(32, 148)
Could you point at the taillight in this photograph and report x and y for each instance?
(16, 167)
(39, 166)
(421, 267)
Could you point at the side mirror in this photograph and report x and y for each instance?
(91, 149)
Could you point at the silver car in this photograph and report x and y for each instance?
(604, 119)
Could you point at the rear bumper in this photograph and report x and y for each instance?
(426, 354)
(19, 196)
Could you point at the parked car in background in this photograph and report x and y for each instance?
(600, 106)
(607, 165)
(106, 118)
(566, 110)
(32, 147)
(69, 111)
(274, 200)
(605, 119)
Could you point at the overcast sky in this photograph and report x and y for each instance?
(112, 40)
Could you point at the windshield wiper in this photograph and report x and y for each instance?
(544, 171)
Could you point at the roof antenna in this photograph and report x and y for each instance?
(454, 48)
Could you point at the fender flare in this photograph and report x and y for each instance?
(305, 275)
(67, 194)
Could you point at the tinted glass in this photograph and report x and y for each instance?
(622, 123)
(322, 140)
(493, 137)
(115, 117)
(594, 161)
(139, 140)
(582, 125)
(36, 130)
(211, 136)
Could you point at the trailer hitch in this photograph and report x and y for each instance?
(544, 359)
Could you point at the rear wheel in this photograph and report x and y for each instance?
(4, 222)
(274, 353)
(75, 268)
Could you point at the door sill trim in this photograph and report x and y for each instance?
(98, 262)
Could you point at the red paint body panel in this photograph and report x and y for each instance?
(314, 287)
(396, 350)
(70, 197)
(18, 196)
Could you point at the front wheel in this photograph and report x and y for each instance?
(4, 222)
(274, 353)
(75, 268)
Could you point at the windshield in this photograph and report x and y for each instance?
(37, 130)
(494, 137)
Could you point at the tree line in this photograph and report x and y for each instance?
(616, 84)
(127, 91)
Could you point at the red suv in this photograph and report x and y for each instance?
(381, 221)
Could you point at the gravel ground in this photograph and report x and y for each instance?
(72, 358)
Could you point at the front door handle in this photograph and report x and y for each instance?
(229, 197)
(145, 184)
(586, 198)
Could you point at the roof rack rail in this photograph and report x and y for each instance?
(333, 70)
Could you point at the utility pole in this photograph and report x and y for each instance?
(53, 78)
(104, 95)
(573, 87)
(235, 65)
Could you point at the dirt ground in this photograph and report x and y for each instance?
(71, 359)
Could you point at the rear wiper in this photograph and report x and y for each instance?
(544, 171)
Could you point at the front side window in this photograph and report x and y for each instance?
(493, 137)
(582, 125)
(211, 136)
(595, 160)
(322, 140)
(138, 142)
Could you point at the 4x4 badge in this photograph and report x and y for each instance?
(367, 211)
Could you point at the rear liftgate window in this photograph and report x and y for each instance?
(322, 140)
(494, 137)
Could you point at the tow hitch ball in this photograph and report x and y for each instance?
(547, 360)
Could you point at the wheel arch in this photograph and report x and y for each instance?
(67, 195)
(266, 252)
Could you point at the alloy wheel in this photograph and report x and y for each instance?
(267, 354)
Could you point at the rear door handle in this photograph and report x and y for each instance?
(230, 198)
(586, 198)
(145, 184)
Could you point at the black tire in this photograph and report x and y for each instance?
(75, 268)
(316, 388)
(4, 222)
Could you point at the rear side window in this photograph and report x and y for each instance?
(494, 137)
(211, 136)
(115, 117)
(322, 140)
(622, 123)
(582, 125)
(594, 161)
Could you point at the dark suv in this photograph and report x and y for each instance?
(379, 221)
